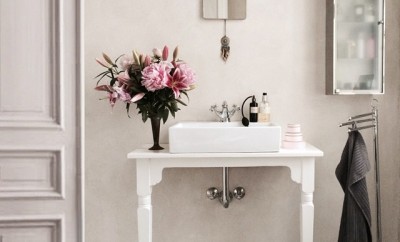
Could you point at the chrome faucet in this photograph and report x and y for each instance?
(225, 114)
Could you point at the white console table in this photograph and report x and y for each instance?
(150, 164)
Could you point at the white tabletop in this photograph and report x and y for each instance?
(144, 153)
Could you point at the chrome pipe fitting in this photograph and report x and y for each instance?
(239, 193)
(212, 193)
(225, 196)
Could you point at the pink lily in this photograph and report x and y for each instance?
(177, 82)
(122, 94)
(125, 62)
(112, 98)
(123, 77)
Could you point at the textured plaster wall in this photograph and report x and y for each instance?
(279, 48)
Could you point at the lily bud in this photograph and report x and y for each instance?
(142, 59)
(108, 59)
(147, 61)
(191, 87)
(175, 54)
(106, 88)
(137, 97)
(103, 63)
(165, 53)
(157, 52)
(136, 57)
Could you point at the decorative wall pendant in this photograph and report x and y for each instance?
(225, 48)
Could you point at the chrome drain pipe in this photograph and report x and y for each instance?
(225, 196)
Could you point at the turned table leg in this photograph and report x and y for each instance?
(307, 205)
(144, 211)
(307, 217)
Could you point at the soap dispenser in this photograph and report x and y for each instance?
(264, 110)
(253, 110)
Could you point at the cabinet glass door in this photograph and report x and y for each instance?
(358, 47)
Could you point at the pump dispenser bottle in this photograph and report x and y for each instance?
(253, 110)
(264, 110)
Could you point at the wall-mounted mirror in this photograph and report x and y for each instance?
(224, 9)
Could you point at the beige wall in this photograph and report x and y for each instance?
(279, 48)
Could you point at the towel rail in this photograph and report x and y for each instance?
(360, 128)
(353, 121)
(356, 122)
(361, 116)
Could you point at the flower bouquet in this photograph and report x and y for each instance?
(153, 83)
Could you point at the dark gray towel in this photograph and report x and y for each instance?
(355, 225)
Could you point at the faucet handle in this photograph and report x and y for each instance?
(213, 107)
(235, 107)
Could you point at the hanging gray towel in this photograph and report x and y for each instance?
(355, 225)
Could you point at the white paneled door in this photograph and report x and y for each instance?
(40, 121)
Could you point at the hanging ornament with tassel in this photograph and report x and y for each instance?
(225, 48)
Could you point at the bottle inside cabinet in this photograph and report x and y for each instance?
(355, 53)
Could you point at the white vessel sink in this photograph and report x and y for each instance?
(216, 137)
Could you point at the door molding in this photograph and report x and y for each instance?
(80, 77)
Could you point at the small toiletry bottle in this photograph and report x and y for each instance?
(264, 110)
(361, 46)
(371, 48)
(253, 110)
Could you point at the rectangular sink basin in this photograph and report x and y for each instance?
(216, 137)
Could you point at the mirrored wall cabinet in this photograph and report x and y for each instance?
(355, 47)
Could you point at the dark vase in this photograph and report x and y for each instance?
(155, 127)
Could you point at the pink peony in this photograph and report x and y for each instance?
(155, 76)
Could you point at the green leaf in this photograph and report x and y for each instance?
(127, 109)
(102, 78)
(118, 58)
(144, 116)
(171, 110)
(185, 95)
(104, 72)
(174, 106)
(179, 101)
(135, 89)
(165, 115)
